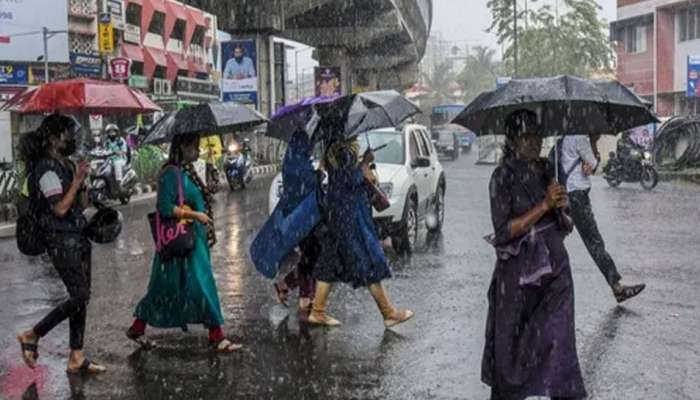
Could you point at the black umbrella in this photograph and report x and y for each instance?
(564, 105)
(345, 116)
(204, 119)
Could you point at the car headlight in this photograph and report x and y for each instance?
(387, 188)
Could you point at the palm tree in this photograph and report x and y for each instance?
(440, 80)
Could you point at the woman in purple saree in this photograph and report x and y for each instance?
(530, 345)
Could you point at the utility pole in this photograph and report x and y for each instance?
(515, 38)
(45, 33)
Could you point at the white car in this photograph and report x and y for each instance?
(410, 175)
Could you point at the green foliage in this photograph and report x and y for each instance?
(480, 73)
(147, 162)
(573, 43)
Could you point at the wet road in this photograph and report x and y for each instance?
(649, 349)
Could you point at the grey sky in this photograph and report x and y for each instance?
(467, 20)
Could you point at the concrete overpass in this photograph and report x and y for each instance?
(377, 43)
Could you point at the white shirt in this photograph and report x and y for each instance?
(573, 149)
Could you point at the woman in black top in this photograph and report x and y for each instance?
(56, 184)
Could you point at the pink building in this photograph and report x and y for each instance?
(653, 41)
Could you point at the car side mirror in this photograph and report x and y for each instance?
(420, 162)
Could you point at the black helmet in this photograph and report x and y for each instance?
(105, 226)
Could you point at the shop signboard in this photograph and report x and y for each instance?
(240, 78)
(84, 64)
(693, 89)
(119, 68)
(14, 74)
(106, 31)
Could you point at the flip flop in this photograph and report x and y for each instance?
(87, 367)
(32, 349)
(139, 339)
(628, 292)
(229, 348)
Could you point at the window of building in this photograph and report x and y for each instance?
(157, 23)
(636, 40)
(133, 14)
(137, 68)
(179, 30)
(689, 24)
(198, 36)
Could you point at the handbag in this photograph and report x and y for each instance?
(173, 237)
(376, 197)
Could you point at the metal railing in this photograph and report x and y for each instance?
(9, 185)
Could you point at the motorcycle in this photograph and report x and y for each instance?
(238, 166)
(103, 185)
(636, 166)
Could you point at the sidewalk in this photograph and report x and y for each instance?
(8, 212)
(691, 175)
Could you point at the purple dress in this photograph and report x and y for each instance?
(530, 345)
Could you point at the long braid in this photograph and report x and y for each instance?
(194, 177)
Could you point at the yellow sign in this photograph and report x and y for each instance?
(106, 37)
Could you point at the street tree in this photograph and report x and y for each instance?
(550, 43)
(480, 72)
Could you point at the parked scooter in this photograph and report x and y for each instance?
(633, 163)
(238, 165)
(103, 183)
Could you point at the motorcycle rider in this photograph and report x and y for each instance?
(580, 156)
(211, 149)
(117, 145)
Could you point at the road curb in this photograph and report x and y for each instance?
(679, 176)
(8, 211)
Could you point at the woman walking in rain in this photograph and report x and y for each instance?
(300, 180)
(530, 334)
(350, 248)
(182, 291)
(56, 187)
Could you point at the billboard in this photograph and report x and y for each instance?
(693, 76)
(22, 21)
(239, 81)
(327, 81)
(14, 74)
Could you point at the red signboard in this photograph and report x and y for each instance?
(120, 68)
(4, 39)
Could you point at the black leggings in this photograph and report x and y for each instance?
(71, 256)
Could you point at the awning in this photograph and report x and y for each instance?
(178, 11)
(159, 5)
(135, 53)
(177, 60)
(197, 17)
(157, 56)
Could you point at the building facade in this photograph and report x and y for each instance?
(657, 42)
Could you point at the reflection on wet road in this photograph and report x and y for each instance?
(647, 349)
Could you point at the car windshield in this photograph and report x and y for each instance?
(443, 137)
(389, 146)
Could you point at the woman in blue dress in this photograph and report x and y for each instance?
(350, 248)
(182, 291)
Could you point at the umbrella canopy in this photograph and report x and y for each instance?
(564, 105)
(204, 119)
(82, 95)
(346, 116)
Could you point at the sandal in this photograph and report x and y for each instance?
(140, 339)
(627, 292)
(398, 317)
(87, 367)
(29, 349)
(226, 346)
(282, 295)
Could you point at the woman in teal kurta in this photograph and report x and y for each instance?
(182, 291)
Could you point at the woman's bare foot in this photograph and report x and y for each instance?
(28, 342)
(78, 363)
(226, 346)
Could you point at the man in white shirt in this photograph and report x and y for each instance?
(579, 160)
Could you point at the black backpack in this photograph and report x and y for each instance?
(30, 236)
(555, 160)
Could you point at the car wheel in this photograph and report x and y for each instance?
(405, 240)
(439, 211)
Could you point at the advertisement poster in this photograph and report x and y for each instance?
(106, 31)
(20, 18)
(643, 135)
(14, 74)
(240, 77)
(693, 76)
(87, 65)
(327, 81)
